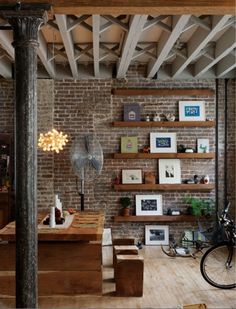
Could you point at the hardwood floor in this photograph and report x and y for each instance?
(168, 283)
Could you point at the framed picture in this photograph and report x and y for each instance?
(192, 111)
(169, 171)
(202, 145)
(129, 144)
(163, 142)
(131, 112)
(148, 205)
(157, 235)
(130, 176)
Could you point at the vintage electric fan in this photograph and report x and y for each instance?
(87, 160)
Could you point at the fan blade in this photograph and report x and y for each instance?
(96, 164)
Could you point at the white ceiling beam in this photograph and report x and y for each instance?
(225, 65)
(84, 51)
(5, 69)
(136, 26)
(68, 43)
(153, 21)
(117, 21)
(6, 42)
(198, 41)
(73, 24)
(223, 47)
(43, 55)
(141, 51)
(96, 37)
(200, 22)
(166, 42)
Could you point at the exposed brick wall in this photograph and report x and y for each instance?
(87, 106)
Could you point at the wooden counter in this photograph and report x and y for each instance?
(69, 260)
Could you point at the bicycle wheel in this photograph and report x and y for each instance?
(218, 266)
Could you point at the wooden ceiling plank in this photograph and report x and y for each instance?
(43, 55)
(224, 46)
(136, 26)
(166, 43)
(225, 65)
(68, 44)
(198, 41)
(96, 38)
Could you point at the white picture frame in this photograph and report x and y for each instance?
(148, 205)
(131, 176)
(163, 143)
(169, 171)
(192, 111)
(203, 145)
(156, 235)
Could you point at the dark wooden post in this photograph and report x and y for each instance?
(25, 24)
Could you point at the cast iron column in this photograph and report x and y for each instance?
(25, 24)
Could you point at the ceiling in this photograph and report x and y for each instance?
(105, 46)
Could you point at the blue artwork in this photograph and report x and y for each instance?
(192, 111)
(163, 142)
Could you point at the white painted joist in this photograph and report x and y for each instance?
(197, 42)
(136, 26)
(166, 42)
(224, 46)
(43, 55)
(6, 42)
(226, 65)
(68, 43)
(96, 34)
(5, 69)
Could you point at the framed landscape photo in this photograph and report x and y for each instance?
(192, 111)
(131, 112)
(148, 205)
(202, 145)
(156, 235)
(129, 144)
(169, 171)
(130, 176)
(163, 142)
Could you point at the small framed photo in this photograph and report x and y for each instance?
(202, 145)
(131, 112)
(163, 142)
(169, 171)
(130, 176)
(157, 235)
(148, 205)
(129, 144)
(192, 111)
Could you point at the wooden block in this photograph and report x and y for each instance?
(58, 282)
(129, 275)
(123, 250)
(122, 241)
(58, 256)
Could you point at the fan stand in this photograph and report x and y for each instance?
(82, 195)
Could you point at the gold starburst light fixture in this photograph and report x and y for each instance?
(52, 141)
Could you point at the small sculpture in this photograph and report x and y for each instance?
(147, 118)
(181, 148)
(146, 149)
(156, 117)
(170, 117)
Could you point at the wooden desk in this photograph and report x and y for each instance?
(69, 260)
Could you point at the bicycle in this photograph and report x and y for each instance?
(218, 262)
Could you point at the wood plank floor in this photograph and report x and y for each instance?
(168, 283)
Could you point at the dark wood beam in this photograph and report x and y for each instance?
(170, 7)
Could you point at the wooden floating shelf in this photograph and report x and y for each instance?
(164, 187)
(141, 155)
(159, 124)
(180, 218)
(162, 92)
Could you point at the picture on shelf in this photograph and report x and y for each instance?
(157, 235)
(129, 144)
(169, 171)
(148, 205)
(192, 111)
(163, 143)
(202, 145)
(130, 176)
(131, 112)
